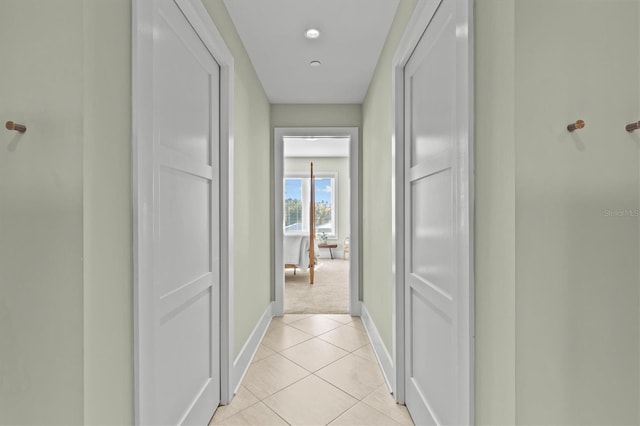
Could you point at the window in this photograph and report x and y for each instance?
(296, 204)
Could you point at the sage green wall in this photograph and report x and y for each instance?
(339, 165)
(107, 230)
(576, 262)
(41, 289)
(556, 275)
(65, 250)
(252, 265)
(376, 182)
(495, 276)
(317, 115)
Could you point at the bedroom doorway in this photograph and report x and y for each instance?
(316, 217)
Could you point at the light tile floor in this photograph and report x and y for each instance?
(313, 370)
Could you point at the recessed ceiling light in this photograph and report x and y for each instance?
(312, 33)
(315, 63)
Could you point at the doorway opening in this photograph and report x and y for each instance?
(316, 281)
(324, 209)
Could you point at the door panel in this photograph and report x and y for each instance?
(184, 361)
(184, 74)
(432, 330)
(432, 239)
(436, 227)
(186, 231)
(434, 74)
(186, 366)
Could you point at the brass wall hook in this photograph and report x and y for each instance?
(633, 126)
(15, 126)
(577, 125)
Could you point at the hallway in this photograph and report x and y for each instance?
(313, 369)
(138, 239)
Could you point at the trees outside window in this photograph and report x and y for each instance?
(296, 204)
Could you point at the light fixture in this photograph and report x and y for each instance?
(312, 33)
(315, 63)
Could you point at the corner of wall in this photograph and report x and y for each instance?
(242, 362)
(384, 358)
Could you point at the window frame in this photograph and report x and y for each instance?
(305, 202)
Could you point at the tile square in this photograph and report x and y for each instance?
(269, 375)
(257, 414)
(346, 337)
(382, 400)
(282, 337)
(362, 414)
(310, 401)
(316, 325)
(354, 375)
(314, 354)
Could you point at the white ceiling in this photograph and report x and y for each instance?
(353, 33)
(317, 146)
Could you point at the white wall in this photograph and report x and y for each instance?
(340, 166)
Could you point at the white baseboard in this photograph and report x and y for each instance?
(243, 360)
(384, 358)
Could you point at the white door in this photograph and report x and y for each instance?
(180, 353)
(437, 221)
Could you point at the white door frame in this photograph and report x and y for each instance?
(420, 19)
(142, 176)
(354, 227)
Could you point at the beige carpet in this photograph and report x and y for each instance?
(328, 295)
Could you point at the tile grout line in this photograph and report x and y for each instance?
(276, 413)
(313, 373)
(340, 324)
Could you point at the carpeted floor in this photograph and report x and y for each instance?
(328, 295)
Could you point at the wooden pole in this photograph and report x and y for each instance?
(312, 228)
